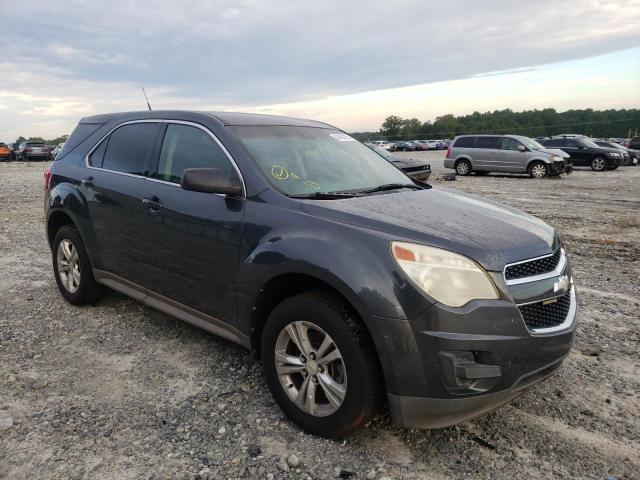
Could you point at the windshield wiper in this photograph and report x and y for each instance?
(326, 195)
(391, 186)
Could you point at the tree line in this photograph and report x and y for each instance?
(53, 141)
(531, 123)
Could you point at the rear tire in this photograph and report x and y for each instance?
(463, 167)
(340, 396)
(538, 170)
(599, 164)
(72, 268)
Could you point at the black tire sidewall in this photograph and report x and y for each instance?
(84, 292)
(354, 410)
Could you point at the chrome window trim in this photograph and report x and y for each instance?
(543, 276)
(568, 321)
(167, 121)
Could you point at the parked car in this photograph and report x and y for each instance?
(291, 238)
(403, 146)
(422, 145)
(56, 150)
(14, 150)
(629, 156)
(504, 153)
(380, 143)
(585, 153)
(31, 151)
(634, 143)
(5, 152)
(413, 167)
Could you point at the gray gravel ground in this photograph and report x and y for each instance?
(118, 390)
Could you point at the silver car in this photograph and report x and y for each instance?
(505, 153)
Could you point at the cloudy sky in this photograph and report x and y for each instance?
(350, 63)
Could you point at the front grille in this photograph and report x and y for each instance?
(538, 315)
(420, 168)
(533, 267)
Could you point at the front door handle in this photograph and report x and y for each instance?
(87, 182)
(153, 203)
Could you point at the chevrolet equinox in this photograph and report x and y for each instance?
(352, 283)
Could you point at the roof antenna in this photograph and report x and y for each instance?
(145, 97)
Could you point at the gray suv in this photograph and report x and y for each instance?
(504, 153)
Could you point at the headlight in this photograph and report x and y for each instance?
(449, 278)
(614, 154)
(556, 158)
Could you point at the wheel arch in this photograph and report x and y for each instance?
(285, 285)
(57, 219)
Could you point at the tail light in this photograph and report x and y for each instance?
(448, 152)
(47, 178)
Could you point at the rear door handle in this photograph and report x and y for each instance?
(153, 203)
(87, 182)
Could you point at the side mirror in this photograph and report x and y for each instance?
(211, 180)
(522, 148)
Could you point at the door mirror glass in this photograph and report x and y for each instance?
(211, 180)
(522, 148)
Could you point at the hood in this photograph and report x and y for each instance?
(489, 233)
(555, 151)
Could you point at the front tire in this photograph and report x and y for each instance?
(320, 364)
(463, 167)
(599, 164)
(538, 170)
(72, 268)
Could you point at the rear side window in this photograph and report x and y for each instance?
(129, 147)
(465, 142)
(189, 147)
(488, 142)
(554, 142)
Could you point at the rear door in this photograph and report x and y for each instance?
(487, 153)
(114, 187)
(195, 236)
(579, 153)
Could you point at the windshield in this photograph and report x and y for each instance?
(531, 144)
(308, 160)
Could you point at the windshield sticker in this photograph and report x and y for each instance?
(279, 172)
(342, 137)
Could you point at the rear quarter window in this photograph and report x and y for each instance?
(465, 142)
(79, 135)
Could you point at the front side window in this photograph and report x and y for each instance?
(129, 147)
(185, 147)
(306, 160)
(571, 143)
(510, 144)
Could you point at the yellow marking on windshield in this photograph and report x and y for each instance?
(279, 172)
(311, 184)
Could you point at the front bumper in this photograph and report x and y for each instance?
(452, 364)
(558, 168)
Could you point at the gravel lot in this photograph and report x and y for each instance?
(118, 390)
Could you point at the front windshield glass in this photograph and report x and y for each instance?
(307, 160)
(531, 144)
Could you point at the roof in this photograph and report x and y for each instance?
(226, 118)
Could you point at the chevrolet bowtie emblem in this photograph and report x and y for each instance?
(562, 285)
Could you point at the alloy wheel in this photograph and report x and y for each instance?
(462, 168)
(68, 265)
(598, 164)
(539, 171)
(310, 368)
